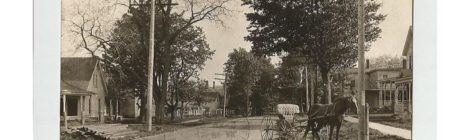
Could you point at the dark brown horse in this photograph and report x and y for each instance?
(321, 115)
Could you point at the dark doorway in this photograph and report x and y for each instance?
(72, 105)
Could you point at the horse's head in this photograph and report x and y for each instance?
(352, 103)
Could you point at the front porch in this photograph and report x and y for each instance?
(73, 106)
(397, 94)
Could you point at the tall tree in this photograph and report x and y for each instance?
(188, 56)
(322, 31)
(289, 79)
(385, 61)
(188, 60)
(243, 70)
(169, 28)
(265, 94)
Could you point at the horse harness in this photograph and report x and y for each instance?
(329, 112)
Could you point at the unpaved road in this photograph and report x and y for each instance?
(236, 129)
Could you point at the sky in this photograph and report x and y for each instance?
(224, 38)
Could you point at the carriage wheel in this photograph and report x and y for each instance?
(268, 126)
(298, 131)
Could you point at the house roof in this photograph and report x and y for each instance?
(405, 75)
(218, 89)
(409, 40)
(370, 70)
(76, 73)
(77, 68)
(74, 88)
(383, 69)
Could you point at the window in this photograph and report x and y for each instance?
(89, 105)
(94, 81)
(410, 65)
(385, 76)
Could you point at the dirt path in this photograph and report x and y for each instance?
(385, 128)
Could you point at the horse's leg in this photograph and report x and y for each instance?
(331, 131)
(315, 135)
(314, 132)
(337, 130)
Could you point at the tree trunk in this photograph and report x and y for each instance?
(142, 109)
(247, 104)
(182, 110)
(173, 112)
(161, 99)
(177, 100)
(325, 86)
(328, 86)
(342, 83)
(160, 103)
(312, 85)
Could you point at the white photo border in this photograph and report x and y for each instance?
(46, 73)
(47, 31)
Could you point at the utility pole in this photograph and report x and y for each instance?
(301, 72)
(306, 90)
(363, 133)
(150, 67)
(151, 60)
(225, 88)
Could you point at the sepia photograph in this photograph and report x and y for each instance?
(236, 70)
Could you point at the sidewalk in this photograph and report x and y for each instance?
(384, 128)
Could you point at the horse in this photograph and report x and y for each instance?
(321, 115)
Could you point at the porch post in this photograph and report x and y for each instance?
(111, 109)
(100, 110)
(380, 95)
(117, 107)
(389, 94)
(402, 89)
(81, 110)
(392, 93)
(410, 89)
(64, 100)
(402, 94)
(395, 99)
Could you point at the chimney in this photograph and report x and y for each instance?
(213, 84)
(404, 63)
(367, 63)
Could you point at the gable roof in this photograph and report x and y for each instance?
(75, 73)
(371, 70)
(77, 68)
(408, 42)
(215, 91)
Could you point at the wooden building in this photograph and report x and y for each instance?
(83, 89)
(402, 93)
(390, 87)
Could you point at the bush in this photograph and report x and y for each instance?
(383, 110)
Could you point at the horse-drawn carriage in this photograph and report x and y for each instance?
(287, 123)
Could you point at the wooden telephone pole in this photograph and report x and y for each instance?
(225, 88)
(150, 68)
(363, 127)
(307, 103)
(150, 62)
